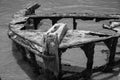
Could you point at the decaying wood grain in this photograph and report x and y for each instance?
(113, 25)
(75, 15)
(29, 10)
(75, 38)
(31, 7)
(52, 45)
(19, 20)
(60, 29)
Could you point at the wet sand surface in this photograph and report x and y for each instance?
(12, 67)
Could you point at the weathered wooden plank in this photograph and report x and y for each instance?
(19, 20)
(30, 45)
(32, 5)
(51, 49)
(73, 38)
(29, 10)
(60, 29)
(113, 25)
(75, 15)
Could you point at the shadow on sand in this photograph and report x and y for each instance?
(25, 66)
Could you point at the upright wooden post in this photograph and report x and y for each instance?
(52, 66)
(89, 52)
(74, 23)
(111, 44)
(54, 20)
(52, 39)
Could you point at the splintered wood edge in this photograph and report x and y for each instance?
(52, 46)
(20, 17)
(113, 25)
(61, 30)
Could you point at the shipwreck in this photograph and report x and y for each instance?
(50, 44)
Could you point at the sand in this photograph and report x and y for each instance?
(12, 67)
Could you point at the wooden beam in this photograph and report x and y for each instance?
(60, 29)
(113, 25)
(29, 10)
(52, 45)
